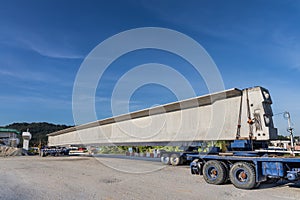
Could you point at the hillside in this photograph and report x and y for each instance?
(38, 130)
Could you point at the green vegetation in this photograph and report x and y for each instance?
(282, 137)
(112, 149)
(38, 131)
(140, 149)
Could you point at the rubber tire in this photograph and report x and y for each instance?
(227, 168)
(165, 159)
(249, 182)
(221, 175)
(175, 159)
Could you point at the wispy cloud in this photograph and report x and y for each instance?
(57, 103)
(21, 75)
(287, 47)
(26, 75)
(119, 102)
(53, 48)
(271, 35)
(7, 73)
(41, 47)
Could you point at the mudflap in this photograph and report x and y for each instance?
(196, 167)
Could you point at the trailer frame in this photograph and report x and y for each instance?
(265, 167)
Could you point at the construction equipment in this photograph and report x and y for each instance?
(240, 118)
(247, 163)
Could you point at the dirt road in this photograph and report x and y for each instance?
(112, 178)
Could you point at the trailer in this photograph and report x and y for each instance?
(247, 162)
(54, 151)
(178, 158)
(240, 118)
(245, 169)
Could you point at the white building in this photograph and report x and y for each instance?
(9, 137)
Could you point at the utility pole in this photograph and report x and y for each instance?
(287, 116)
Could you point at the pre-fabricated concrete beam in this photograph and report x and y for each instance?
(171, 107)
(204, 118)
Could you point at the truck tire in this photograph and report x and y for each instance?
(214, 172)
(226, 167)
(175, 159)
(242, 175)
(165, 159)
(196, 167)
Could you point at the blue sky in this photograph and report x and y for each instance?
(43, 43)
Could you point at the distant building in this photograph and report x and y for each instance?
(281, 143)
(286, 144)
(9, 137)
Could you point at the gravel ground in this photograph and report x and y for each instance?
(114, 178)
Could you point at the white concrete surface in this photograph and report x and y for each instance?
(205, 118)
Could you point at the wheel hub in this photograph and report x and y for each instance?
(242, 176)
(213, 173)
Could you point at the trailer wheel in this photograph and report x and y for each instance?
(226, 167)
(165, 159)
(214, 172)
(175, 159)
(242, 175)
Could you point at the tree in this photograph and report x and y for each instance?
(38, 131)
